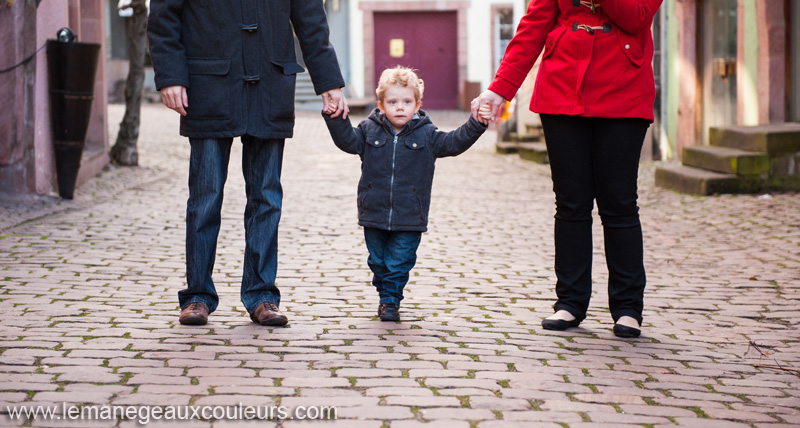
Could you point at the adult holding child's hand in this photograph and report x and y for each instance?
(335, 103)
(229, 69)
(594, 92)
(485, 107)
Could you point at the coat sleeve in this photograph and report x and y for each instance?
(632, 16)
(525, 47)
(455, 142)
(348, 139)
(311, 27)
(166, 48)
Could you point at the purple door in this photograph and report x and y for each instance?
(423, 41)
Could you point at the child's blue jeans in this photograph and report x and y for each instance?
(392, 255)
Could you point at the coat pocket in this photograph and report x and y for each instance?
(552, 41)
(289, 67)
(414, 144)
(361, 201)
(421, 211)
(279, 102)
(376, 141)
(209, 89)
(630, 47)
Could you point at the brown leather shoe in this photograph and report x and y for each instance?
(194, 313)
(267, 313)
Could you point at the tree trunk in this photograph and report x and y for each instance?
(124, 151)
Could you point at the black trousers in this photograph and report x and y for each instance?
(597, 159)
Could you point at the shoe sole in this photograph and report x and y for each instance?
(275, 322)
(193, 321)
(626, 332)
(559, 325)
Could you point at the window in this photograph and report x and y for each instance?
(503, 26)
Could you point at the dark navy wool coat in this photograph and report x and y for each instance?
(237, 60)
(394, 192)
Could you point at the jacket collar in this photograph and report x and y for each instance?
(380, 119)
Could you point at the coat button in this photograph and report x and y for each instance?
(627, 46)
(414, 145)
(377, 142)
(551, 43)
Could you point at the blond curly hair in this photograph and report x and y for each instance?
(400, 76)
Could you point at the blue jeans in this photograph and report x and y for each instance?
(208, 170)
(392, 255)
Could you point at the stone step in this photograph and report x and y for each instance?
(775, 139)
(535, 129)
(726, 160)
(687, 179)
(536, 152)
(525, 138)
(506, 147)
(304, 89)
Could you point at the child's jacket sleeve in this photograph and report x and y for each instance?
(348, 139)
(457, 141)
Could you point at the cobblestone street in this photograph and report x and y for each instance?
(89, 314)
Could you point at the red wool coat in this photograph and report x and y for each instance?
(605, 72)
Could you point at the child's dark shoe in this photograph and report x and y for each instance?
(389, 312)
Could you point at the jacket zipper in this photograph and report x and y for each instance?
(391, 181)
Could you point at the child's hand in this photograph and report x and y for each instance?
(485, 113)
(488, 98)
(334, 103)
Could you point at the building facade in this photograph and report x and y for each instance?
(728, 63)
(731, 106)
(455, 44)
(27, 164)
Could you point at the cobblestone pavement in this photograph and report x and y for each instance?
(88, 311)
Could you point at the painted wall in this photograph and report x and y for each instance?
(479, 41)
(479, 24)
(747, 64)
(51, 17)
(17, 90)
(338, 20)
(671, 88)
(795, 70)
(356, 59)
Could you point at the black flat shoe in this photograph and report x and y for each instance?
(559, 325)
(625, 331)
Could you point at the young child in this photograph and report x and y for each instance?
(398, 145)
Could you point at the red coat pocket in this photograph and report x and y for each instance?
(630, 46)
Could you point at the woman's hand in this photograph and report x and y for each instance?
(489, 99)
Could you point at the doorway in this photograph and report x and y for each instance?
(718, 21)
(426, 42)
